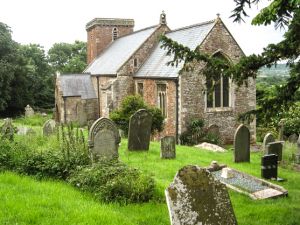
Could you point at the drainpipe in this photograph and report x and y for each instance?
(65, 110)
(177, 110)
(98, 91)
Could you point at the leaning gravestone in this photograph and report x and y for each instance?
(29, 111)
(167, 147)
(267, 139)
(242, 144)
(275, 148)
(195, 198)
(49, 127)
(139, 130)
(293, 138)
(7, 130)
(104, 140)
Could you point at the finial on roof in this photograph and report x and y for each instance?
(163, 18)
(218, 15)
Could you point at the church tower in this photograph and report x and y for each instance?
(102, 31)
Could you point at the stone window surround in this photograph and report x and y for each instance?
(137, 83)
(135, 63)
(166, 97)
(230, 91)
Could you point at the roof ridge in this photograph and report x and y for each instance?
(193, 25)
(137, 31)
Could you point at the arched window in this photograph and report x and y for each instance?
(218, 90)
(115, 33)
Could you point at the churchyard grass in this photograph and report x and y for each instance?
(25, 200)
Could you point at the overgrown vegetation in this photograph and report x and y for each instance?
(129, 106)
(196, 133)
(67, 158)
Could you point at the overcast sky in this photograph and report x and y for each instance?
(46, 22)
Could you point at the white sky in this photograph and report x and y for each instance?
(46, 22)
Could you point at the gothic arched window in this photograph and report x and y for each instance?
(218, 90)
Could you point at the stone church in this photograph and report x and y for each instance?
(124, 62)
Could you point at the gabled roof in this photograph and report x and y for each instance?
(156, 65)
(118, 52)
(77, 85)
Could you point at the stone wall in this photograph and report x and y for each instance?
(192, 96)
(150, 97)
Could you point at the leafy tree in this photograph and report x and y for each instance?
(8, 54)
(284, 13)
(129, 106)
(68, 58)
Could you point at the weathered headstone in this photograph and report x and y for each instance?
(195, 197)
(214, 129)
(269, 165)
(104, 140)
(49, 127)
(29, 111)
(267, 139)
(7, 130)
(275, 148)
(242, 144)
(297, 156)
(293, 138)
(139, 130)
(281, 129)
(25, 131)
(167, 147)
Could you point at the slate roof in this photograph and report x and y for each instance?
(77, 85)
(118, 52)
(191, 36)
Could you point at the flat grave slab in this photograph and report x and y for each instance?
(254, 187)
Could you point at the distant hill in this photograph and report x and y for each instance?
(280, 70)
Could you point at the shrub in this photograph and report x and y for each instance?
(129, 106)
(196, 133)
(114, 181)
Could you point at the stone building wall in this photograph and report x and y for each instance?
(192, 101)
(150, 97)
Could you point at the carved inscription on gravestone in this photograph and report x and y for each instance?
(195, 197)
(139, 130)
(242, 144)
(167, 147)
(104, 140)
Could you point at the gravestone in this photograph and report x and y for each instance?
(195, 197)
(281, 129)
(267, 139)
(139, 130)
(104, 140)
(214, 129)
(269, 165)
(81, 114)
(293, 138)
(49, 127)
(297, 156)
(25, 131)
(242, 144)
(275, 148)
(167, 147)
(29, 111)
(7, 130)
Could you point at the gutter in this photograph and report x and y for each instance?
(177, 109)
(98, 92)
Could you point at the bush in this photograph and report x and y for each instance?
(113, 181)
(196, 133)
(129, 106)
